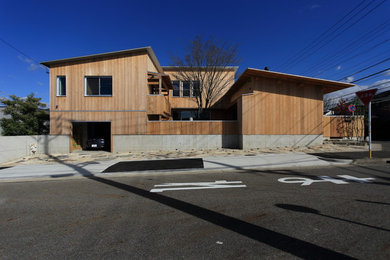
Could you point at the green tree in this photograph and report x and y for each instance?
(27, 116)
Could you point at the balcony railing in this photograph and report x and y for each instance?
(158, 105)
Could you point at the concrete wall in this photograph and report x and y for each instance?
(14, 147)
(126, 143)
(259, 141)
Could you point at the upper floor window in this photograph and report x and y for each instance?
(98, 86)
(185, 88)
(195, 88)
(176, 88)
(61, 86)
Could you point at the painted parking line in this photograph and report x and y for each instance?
(223, 184)
(308, 181)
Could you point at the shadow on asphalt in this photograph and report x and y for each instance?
(296, 173)
(294, 246)
(376, 202)
(303, 209)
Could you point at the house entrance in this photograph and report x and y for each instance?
(91, 136)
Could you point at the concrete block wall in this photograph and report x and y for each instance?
(14, 147)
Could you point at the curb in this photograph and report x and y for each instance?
(371, 161)
(162, 172)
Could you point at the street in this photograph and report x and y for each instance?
(247, 214)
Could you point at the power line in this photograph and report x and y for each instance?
(370, 87)
(357, 55)
(24, 54)
(371, 75)
(369, 67)
(314, 42)
(357, 66)
(326, 42)
(329, 59)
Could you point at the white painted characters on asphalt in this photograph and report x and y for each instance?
(198, 185)
(307, 181)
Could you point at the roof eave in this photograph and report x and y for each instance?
(148, 49)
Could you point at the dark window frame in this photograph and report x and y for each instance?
(61, 86)
(100, 86)
(173, 91)
(180, 92)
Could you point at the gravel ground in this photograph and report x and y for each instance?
(85, 156)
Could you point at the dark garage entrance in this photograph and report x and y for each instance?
(91, 136)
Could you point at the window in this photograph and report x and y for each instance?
(185, 88)
(98, 86)
(61, 86)
(195, 88)
(185, 114)
(176, 88)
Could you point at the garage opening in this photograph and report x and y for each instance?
(91, 136)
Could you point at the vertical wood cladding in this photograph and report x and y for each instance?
(126, 108)
(281, 108)
(188, 102)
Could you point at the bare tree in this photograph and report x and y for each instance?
(205, 65)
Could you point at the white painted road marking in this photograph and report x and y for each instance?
(307, 181)
(199, 185)
(352, 178)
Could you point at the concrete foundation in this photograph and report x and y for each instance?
(126, 143)
(14, 147)
(259, 141)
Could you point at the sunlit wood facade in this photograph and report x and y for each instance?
(134, 94)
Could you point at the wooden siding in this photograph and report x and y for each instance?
(121, 122)
(281, 108)
(129, 84)
(151, 67)
(158, 105)
(343, 126)
(192, 127)
(189, 102)
(181, 102)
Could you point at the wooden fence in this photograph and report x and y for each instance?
(343, 126)
(192, 127)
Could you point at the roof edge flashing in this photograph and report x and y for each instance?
(147, 49)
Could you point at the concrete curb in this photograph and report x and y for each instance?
(60, 172)
(371, 161)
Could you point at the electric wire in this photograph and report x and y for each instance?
(364, 52)
(314, 42)
(338, 34)
(369, 67)
(23, 53)
(371, 75)
(352, 46)
(366, 62)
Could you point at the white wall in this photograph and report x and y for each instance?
(14, 147)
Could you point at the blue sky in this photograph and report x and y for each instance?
(270, 33)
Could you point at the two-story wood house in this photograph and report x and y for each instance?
(133, 103)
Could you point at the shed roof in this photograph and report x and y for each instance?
(147, 49)
(327, 85)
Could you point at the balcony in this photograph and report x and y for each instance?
(158, 105)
